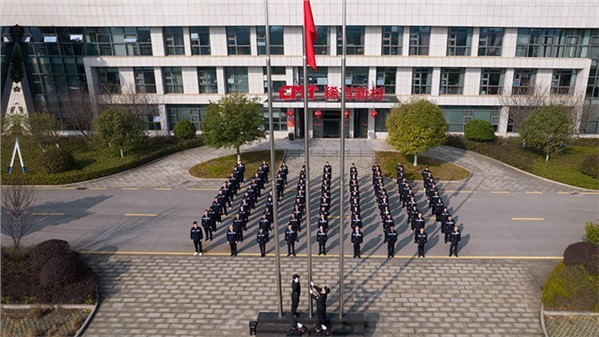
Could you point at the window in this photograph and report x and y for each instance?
(173, 41)
(419, 40)
(452, 81)
(459, 40)
(490, 41)
(173, 80)
(207, 80)
(275, 71)
(491, 81)
(354, 40)
(380, 120)
(108, 80)
(563, 82)
(118, 41)
(524, 82)
(321, 45)
(50, 38)
(457, 116)
(237, 79)
(238, 41)
(356, 76)
(543, 42)
(279, 119)
(145, 82)
(318, 78)
(276, 86)
(392, 40)
(152, 120)
(200, 40)
(421, 81)
(276, 40)
(180, 112)
(593, 85)
(385, 77)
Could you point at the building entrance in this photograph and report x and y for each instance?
(360, 123)
(330, 124)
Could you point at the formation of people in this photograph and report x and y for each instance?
(415, 220)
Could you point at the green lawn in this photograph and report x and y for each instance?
(442, 171)
(222, 167)
(563, 167)
(92, 161)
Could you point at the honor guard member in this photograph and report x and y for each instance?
(232, 239)
(388, 222)
(356, 221)
(321, 238)
(207, 225)
(284, 171)
(355, 204)
(438, 209)
(323, 222)
(391, 239)
(280, 187)
(357, 238)
(196, 235)
(222, 201)
(449, 224)
(265, 168)
(238, 226)
(324, 202)
(264, 223)
(320, 295)
(421, 239)
(444, 215)
(291, 238)
(419, 222)
(456, 237)
(326, 168)
(240, 171)
(296, 292)
(262, 239)
(212, 216)
(294, 223)
(298, 213)
(433, 199)
(217, 211)
(324, 211)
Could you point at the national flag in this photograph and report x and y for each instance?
(310, 34)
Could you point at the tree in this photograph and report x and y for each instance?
(79, 110)
(18, 201)
(548, 128)
(415, 127)
(184, 129)
(142, 105)
(118, 128)
(16, 64)
(233, 121)
(45, 129)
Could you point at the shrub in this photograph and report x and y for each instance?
(57, 161)
(584, 254)
(63, 269)
(570, 288)
(590, 166)
(591, 230)
(479, 130)
(44, 251)
(184, 129)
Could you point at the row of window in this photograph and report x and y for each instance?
(451, 81)
(126, 41)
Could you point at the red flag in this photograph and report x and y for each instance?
(310, 34)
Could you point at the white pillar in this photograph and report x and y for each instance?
(187, 41)
(157, 41)
(435, 81)
(221, 81)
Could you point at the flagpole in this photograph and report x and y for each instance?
(307, 161)
(273, 162)
(342, 170)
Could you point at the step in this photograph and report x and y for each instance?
(270, 324)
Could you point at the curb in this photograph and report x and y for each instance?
(91, 315)
(543, 327)
(442, 181)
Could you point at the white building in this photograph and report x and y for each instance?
(466, 55)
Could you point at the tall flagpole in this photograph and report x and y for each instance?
(342, 171)
(273, 163)
(307, 158)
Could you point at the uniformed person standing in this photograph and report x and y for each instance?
(320, 295)
(296, 292)
(456, 237)
(421, 239)
(232, 239)
(196, 235)
(207, 225)
(322, 237)
(448, 225)
(290, 237)
(391, 239)
(357, 238)
(262, 239)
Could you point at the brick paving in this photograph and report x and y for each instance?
(158, 295)
(572, 325)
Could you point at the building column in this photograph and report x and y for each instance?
(371, 132)
(508, 78)
(190, 80)
(372, 40)
(253, 40)
(403, 81)
(218, 41)
(438, 41)
(163, 119)
(510, 37)
(333, 40)
(504, 113)
(221, 80)
(435, 81)
(187, 41)
(159, 81)
(157, 41)
(475, 40)
(405, 43)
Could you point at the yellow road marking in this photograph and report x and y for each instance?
(97, 188)
(563, 192)
(141, 214)
(54, 188)
(589, 193)
(528, 219)
(48, 214)
(458, 191)
(202, 189)
(533, 192)
(129, 188)
(162, 189)
(500, 192)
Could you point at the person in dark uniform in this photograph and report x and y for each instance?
(280, 187)
(322, 237)
(320, 295)
(421, 239)
(232, 239)
(196, 235)
(391, 239)
(357, 238)
(419, 222)
(207, 225)
(284, 171)
(295, 224)
(296, 292)
(356, 221)
(456, 237)
(290, 237)
(264, 223)
(262, 239)
(238, 226)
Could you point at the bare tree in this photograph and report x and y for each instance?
(79, 110)
(142, 105)
(18, 201)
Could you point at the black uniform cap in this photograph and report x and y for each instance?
(296, 276)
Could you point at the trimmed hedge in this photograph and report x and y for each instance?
(57, 161)
(591, 231)
(571, 288)
(584, 254)
(479, 130)
(590, 166)
(184, 129)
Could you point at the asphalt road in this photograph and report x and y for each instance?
(158, 220)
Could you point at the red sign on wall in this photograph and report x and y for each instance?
(331, 93)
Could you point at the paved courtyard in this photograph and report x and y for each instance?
(170, 295)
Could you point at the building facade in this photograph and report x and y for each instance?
(474, 58)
